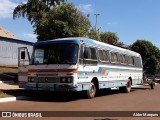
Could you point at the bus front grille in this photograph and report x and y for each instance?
(47, 79)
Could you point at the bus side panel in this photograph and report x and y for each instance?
(107, 77)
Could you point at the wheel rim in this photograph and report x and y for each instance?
(92, 90)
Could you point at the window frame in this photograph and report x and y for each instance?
(89, 60)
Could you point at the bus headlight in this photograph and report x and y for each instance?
(66, 79)
(63, 80)
(69, 80)
(31, 79)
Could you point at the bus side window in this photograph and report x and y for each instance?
(87, 53)
(117, 55)
(93, 60)
(126, 59)
(106, 55)
(137, 62)
(114, 58)
(130, 60)
(101, 57)
(123, 59)
(90, 56)
(81, 55)
(93, 54)
(87, 56)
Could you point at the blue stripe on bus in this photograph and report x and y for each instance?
(100, 69)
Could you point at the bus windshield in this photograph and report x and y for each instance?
(55, 54)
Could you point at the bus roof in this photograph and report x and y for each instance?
(91, 42)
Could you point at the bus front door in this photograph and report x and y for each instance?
(23, 63)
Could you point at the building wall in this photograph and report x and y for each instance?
(9, 51)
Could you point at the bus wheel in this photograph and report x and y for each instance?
(91, 91)
(152, 85)
(127, 88)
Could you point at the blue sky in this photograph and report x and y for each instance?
(130, 19)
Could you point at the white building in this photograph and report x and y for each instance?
(9, 45)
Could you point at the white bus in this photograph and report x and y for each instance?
(79, 64)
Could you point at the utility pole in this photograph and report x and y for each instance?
(98, 33)
(96, 14)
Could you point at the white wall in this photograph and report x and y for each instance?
(9, 51)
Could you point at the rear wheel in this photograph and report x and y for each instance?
(91, 91)
(127, 88)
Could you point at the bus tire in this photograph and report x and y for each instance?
(91, 91)
(152, 85)
(127, 88)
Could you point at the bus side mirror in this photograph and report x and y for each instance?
(23, 55)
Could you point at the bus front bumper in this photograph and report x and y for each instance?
(49, 86)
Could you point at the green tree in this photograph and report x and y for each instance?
(34, 9)
(150, 55)
(62, 21)
(93, 34)
(109, 37)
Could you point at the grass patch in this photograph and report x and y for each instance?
(18, 92)
(3, 95)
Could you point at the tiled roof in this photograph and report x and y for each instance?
(6, 33)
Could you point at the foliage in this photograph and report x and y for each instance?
(150, 55)
(54, 19)
(109, 37)
(93, 34)
(62, 21)
(106, 37)
(3, 94)
(34, 9)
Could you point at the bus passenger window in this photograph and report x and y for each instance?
(126, 59)
(123, 59)
(130, 60)
(90, 56)
(137, 61)
(114, 57)
(106, 55)
(120, 58)
(81, 55)
(87, 53)
(133, 63)
(101, 57)
(93, 54)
